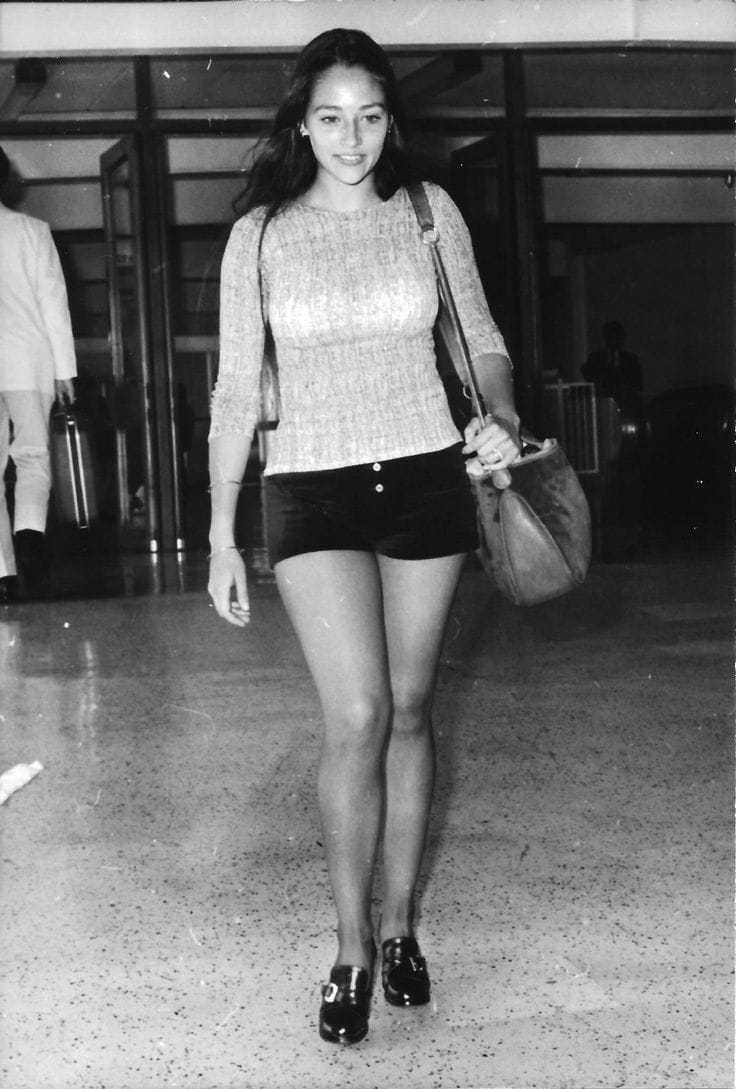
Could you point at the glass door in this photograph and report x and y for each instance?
(129, 344)
(146, 440)
(476, 183)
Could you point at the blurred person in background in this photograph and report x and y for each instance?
(37, 367)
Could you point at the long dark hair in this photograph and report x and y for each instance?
(284, 165)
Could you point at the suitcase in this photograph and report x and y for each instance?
(72, 469)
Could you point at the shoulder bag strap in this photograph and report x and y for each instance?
(270, 394)
(430, 236)
(266, 221)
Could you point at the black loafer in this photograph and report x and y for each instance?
(343, 1015)
(404, 973)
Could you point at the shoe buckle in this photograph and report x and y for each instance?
(330, 992)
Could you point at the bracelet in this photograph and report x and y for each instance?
(217, 483)
(225, 548)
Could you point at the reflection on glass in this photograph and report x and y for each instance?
(220, 85)
(130, 365)
(67, 87)
(641, 80)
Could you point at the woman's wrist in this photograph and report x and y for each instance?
(223, 483)
(222, 534)
(222, 549)
(507, 416)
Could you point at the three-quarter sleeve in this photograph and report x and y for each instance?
(481, 332)
(236, 397)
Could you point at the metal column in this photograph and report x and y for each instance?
(523, 200)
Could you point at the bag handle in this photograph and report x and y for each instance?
(430, 237)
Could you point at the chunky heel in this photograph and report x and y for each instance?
(404, 973)
(343, 1015)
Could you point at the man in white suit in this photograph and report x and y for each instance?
(37, 366)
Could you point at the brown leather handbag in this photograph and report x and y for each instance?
(535, 534)
(535, 538)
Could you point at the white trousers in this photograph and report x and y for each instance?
(28, 410)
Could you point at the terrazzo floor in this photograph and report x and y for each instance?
(166, 916)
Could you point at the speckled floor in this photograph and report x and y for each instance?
(166, 918)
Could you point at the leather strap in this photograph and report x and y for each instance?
(266, 221)
(450, 320)
(270, 400)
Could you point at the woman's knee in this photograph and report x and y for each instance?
(359, 723)
(412, 703)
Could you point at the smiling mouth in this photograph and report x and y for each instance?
(351, 160)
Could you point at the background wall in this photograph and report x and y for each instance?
(673, 292)
(671, 286)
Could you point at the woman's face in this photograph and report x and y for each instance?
(346, 122)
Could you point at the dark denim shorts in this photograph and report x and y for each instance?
(412, 508)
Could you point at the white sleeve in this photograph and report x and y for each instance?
(236, 397)
(54, 306)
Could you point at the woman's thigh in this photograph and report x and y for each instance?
(417, 597)
(334, 601)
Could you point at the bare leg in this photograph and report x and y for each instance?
(334, 600)
(417, 599)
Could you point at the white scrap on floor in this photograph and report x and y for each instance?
(17, 777)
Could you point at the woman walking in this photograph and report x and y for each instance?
(370, 510)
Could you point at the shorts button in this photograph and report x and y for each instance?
(376, 466)
(379, 487)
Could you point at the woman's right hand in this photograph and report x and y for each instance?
(227, 573)
(496, 444)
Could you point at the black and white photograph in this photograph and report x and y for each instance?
(367, 544)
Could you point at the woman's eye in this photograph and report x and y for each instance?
(374, 118)
(328, 119)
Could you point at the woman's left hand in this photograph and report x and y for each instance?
(496, 444)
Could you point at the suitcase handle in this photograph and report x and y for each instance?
(74, 453)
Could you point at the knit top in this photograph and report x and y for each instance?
(351, 299)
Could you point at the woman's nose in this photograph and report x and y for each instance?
(351, 134)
